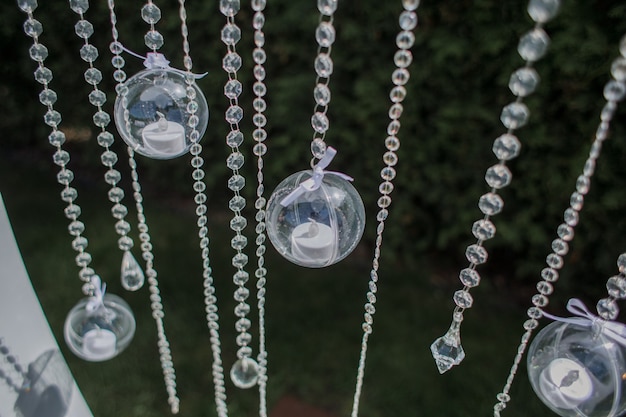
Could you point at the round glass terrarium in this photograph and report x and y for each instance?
(159, 115)
(100, 334)
(315, 227)
(577, 368)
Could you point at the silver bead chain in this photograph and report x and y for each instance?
(156, 305)
(43, 75)
(400, 76)
(531, 47)
(614, 91)
(259, 134)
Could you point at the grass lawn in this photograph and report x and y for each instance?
(313, 317)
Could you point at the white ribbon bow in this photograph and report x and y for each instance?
(315, 181)
(612, 329)
(154, 60)
(96, 301)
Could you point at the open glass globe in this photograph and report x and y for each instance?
(319, 227)
(577, 370)
(159, 115)
(101, 334)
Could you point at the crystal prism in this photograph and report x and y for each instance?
(447, 350)
(132, 276)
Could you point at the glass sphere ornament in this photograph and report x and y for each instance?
(245, 373)
(576, 366)
(99, 329)
(158, 113)
(315, 218)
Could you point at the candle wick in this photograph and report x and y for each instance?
(569, 379)
(314, 229)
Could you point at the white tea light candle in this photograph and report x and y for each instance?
(313, 241)
(566, 383)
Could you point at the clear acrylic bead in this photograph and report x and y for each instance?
(97, 98)
(583, 184)
(327, 7)
(469, 277)
(238, 223)
(259, 104)
(259, 89)
(621, 263)
(28, 6)
(150, 13)
(259, 56)
(231, 34)
(523, 81)
(560, 247)
(403, 58)
(539, 300)
(229, 8)
(47, 97)
(235, 160)
(534, 313)
(506, 147)
(410, 4)
(93, 76)
(234, 138)
(38, 52)
(258, 21)
(400, 76)
(259, 149)
(614, 91)
(395, 111)
(498, 176)
(76, 228)
(101, 119)
(463, 299)
(405, 39)
(245, 373)
(83, 29)
(570, 216)
(319, 122)
(408, 20)
(483, 229)
(565, 232)
(33, 27)
(618, 69)
(397, 94)
(318, 148)
(112, 176)
(323, 65)
(476, 254)
(56, 138)
(490, 204)
(514, 115)
(392, 143)
(542, 11)
(116, 194)
(108, 158)
(390, 158)
(545, 287)
(242, 309)
(388, 173)
(233, 89)
(533, 45)
(153, 39)
(69, 194)
(237, 203)
(554, 261)
(234, 114)
(52, 118)
(325, 34)
(65, 176)
(258, 5)
(72, 211)
(576, 200)
(616, 287)
(236, 182)
(231, 62)
(43, 75)
(447, 350)
(239, 261)
(105, 139)
(607, 309)
(321, 93)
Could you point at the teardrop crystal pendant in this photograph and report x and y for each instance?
(132, 276)
(245, 373)
(447, 350)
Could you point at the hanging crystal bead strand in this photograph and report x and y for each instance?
(16, 370)
(323, 64)
(614, 91)
(132, 276)
(400, 76)
(447, 350)
(165, 354)
(245, 371)
(259, 134)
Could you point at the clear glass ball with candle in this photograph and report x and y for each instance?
(578, 370)
(102, 333)
(159, 115)
(319, 227)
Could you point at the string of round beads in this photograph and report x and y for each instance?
(16, 371)
(52, 118)
(400, 76)
(523, 82)
(165, 354)
(323, 64)
(614, 91)
(259, 134)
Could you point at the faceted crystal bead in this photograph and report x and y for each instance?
(259, 89)
(57, 138)
(319, 122)
(533, 45)
(469, 277)
(38, 52)
(621, 263)
(408, 20)
(236, 182)
(47, 97)
(108, 158)
(403, 58)
(234, 114)
(325, 34)
(72, 211)
(112, 176)
(318, 148)
(323, 65)
(232, 89)
(550, 274)
(392, 143)
(242, 310)
(153, 39)
(463, 299)
(483, 229)
(132, 276)
(607, 309)
(234, 138)
(52, 118)
(405, 39)
(400, 76)
(238, 223)
(506, 147)
(239, 261)
(523, 81)
(231, 62)
(235, 160)
(476, 254)
(93, 76)
(97, 98)
(618, 69)
(534, 313)
(259, 149)
(397, 94)
(498, 176)
(514, 115)
(105, 139)
(237, 203)
(616, 287)
(229, 8)
(560, 247)
(542, 11)
(490, 204)
(61, 157)
(570, 217)
(245, 373)
(33, 27)
(101, 119)
(447, 350)
(28, 6)
(259, 104)
(231, 34)
(539, 300)
(545, 288)
(614, 91)
(69, 194)
(576, 200)
(43, 75)
(150, 13)
(327, 7)
(410, 4)
(321, 93)
(388, 173)
(65, 176)
(554, 261)
(583, 184)
(238, 242)
(83, 29)
(259, 56)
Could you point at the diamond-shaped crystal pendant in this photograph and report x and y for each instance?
(132, 276)
(447, 350)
